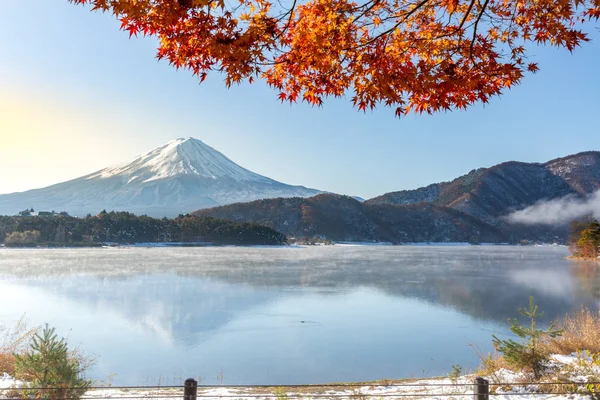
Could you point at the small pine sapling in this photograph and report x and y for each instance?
(456, 373)
(527, 354)
(49, 366)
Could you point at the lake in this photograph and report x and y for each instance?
(237, 315)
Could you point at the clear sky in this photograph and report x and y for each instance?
(76, 95)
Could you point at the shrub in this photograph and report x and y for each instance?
(580, 331)
(13, 340)
(528, 354)
(27, 238)
(490, 365)
(585, 239)
(49, 366)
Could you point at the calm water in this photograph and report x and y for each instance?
(286, 315)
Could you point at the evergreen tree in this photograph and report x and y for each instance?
(50, 369)
(528, 353)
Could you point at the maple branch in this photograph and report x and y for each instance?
(390, 30)
(455, 31)
(363, 5)
(514, 15)
(460, 27)
(462, 23)
(423, 55)
(290, 12)
(375, 3)
(485, 4)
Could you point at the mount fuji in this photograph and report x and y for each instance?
(179, 177)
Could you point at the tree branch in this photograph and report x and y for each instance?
(475, 29)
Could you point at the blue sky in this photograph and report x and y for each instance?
(76, 95)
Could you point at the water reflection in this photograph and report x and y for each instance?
(588, 277)
(288, 315)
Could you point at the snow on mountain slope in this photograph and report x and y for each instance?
(182, 176)
(180, 157)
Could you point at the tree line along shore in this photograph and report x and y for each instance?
(62, 230)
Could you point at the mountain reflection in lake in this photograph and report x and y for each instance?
(287, 315)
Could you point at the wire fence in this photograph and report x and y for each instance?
(311, 386)
(480, 389)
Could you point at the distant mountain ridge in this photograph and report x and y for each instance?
(342, 218)
(490, 193)
(178, 177)
(470, 208)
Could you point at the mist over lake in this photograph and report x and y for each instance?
(238, 315)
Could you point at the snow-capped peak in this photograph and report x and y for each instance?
(181, 176)
(183, 156)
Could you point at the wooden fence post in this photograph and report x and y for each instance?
(481, 389)
(190, 390)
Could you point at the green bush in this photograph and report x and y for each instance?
(52, 371)
(529, 354)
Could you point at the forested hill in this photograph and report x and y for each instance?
(471, 208)
(123, 227)
(343, 218)
(491, 193)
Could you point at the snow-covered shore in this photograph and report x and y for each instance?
(504, 384)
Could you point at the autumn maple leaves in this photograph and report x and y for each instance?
(420, 56)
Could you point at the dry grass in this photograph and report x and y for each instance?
(490, 364)
(556, 380)
(581, 331)
(13, 340)
(7, 364)
(581, 334)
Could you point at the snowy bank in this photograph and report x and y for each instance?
(504, 384)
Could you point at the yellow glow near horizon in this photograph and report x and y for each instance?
(45, 141)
